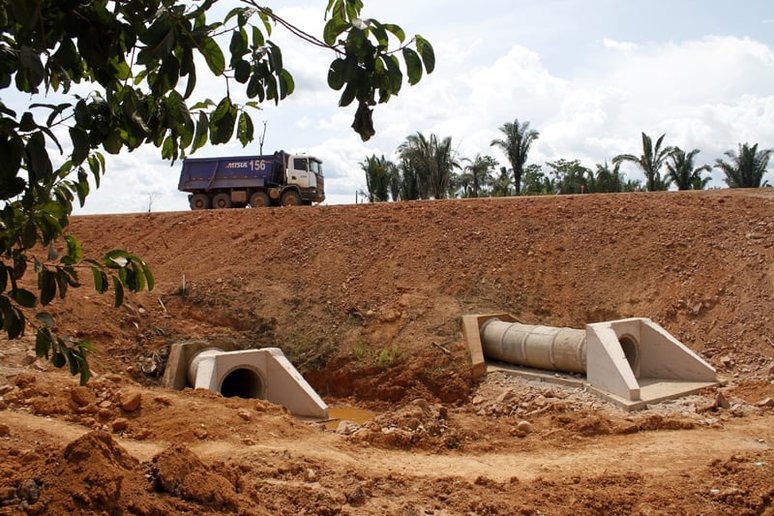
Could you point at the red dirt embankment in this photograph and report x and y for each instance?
(366, 301)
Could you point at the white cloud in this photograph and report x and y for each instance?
(623, 46)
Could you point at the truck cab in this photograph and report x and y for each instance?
(306, 173)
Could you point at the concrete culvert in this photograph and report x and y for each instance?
(630, 348)
(633, 362)
(252, 374)
(243, 383)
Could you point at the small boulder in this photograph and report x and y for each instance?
(23, 380)
(120, 424)
(766, 403)
(524, 427)
(721, 401)
(131, 401)
(82, 396)
(347, 428)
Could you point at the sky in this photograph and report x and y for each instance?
(589, 75)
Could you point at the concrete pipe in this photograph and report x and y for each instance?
(241, 381)
(541, 347)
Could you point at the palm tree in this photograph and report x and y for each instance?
(746, 169)
(651, 161)
(379, 173)
(608, 180)
(501, 185)
(681, 172)
(431, 161)
(515, 144)
(477, 176)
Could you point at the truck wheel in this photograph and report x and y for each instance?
(259, 200)
(221, 200)
(291, 198)
(200, 201)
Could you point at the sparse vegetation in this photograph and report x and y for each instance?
(368, 356)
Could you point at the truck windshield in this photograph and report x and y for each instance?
(315, 166)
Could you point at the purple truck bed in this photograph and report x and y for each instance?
(202, 174)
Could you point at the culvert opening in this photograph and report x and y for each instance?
(631, 352)
(242, 383)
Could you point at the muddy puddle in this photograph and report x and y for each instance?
(338, 414)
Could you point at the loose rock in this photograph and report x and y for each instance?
(131, 401)
(82, 396)
(721, 401)
(766, 403)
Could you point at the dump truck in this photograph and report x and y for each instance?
(279, 179)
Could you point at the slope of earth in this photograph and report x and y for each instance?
(366, 301)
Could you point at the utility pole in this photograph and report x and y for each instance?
(262, 138)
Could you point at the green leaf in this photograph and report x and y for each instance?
(275, 58)
(36, 156)
(13, 322)
(45, 318)
(100, 280)
(394, 73)
(72, 361)
(84, 347)
(47, 286)
(24, 297)
(200, 137)
(335, 27)
(222, 122)
(29, 235)
(258, 39)
(397, 31)
(74, 250)
(119, 292)
(426, 51)
(148, 276)
(43, 342)
(58, 359)
(82, 187)
(242, 71)
(27, 123)
(62, 281)
(31, 67)
(349, 94)
(211, 52)
(238, 45)
(413, 65)
(336, 74)
(169, 148)
(245, 129)
(380, 33)
(287, 85)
